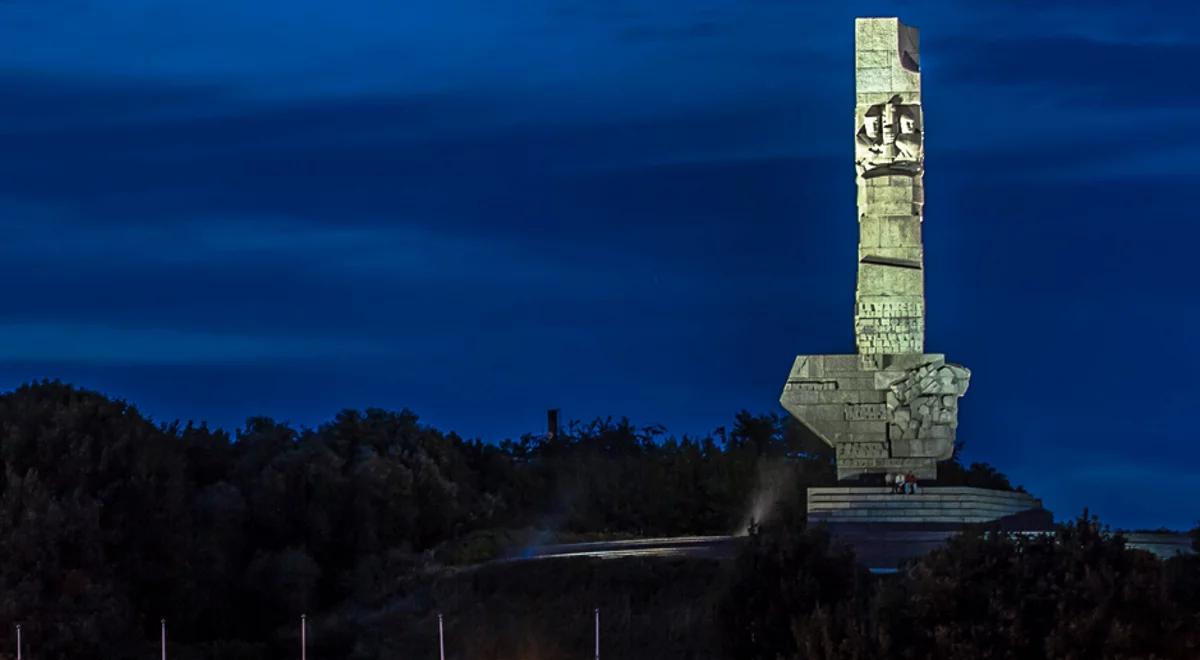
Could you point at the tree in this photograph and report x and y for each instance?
(787, 577)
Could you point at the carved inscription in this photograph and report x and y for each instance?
(811, 385)
(852, 450)
(871, 412)
(889, 327)
(870, 361)
(882, 462)
(891, 310)
(892, 325)
(890, 343)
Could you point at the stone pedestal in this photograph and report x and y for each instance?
(885, 528)
(881, 413)
(938, 506)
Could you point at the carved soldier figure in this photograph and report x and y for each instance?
(889, 139)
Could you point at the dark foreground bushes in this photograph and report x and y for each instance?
(1079, 593)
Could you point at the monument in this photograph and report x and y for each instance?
(891, 407)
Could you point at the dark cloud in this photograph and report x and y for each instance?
(372, 161)
(38, 103)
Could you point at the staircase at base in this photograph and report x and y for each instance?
(938, 505)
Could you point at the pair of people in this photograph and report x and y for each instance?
(905, 483)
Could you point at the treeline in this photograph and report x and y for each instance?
(109, 523)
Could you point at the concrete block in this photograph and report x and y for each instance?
(873, 59)
(893, 254)
(905, 81)
(841, 363)
(876, 278)
(876, 34)
(873, 80)
(901, 231)
(869, 231)
(864, 101)
(801, 367)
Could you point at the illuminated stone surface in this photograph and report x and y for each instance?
(891, 407)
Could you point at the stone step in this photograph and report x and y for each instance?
(890, 511)
(902, 510)
(884, 490)
(923, 520)
(922, 495)
(921, 510)
(926, 501)
(955, 505)
(930, 495)
(907, 506)
(938, 519)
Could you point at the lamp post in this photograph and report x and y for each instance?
(441, 639)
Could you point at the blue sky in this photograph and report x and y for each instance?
(221, 209)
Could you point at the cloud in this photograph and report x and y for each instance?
(92, 344)
(303, 48)
(39, 104)
(373, 161)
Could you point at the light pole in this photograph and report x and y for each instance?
(18, 641)
(163, 632)
(597, 633)
(441, 639)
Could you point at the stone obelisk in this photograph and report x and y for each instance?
(890, 407)
(889, 315)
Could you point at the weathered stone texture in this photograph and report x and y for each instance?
(889, 161)
(891, 407)
(900, 416)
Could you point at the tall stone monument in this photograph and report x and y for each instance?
(891, 407)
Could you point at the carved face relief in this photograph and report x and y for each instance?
(889, 139)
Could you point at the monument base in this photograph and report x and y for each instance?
(935, 505)
(881, 413)
(886, 528)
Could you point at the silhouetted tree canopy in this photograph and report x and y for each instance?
(110, 523)
(1076, 593)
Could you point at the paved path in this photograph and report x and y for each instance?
(674, 546)
(879, 548)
